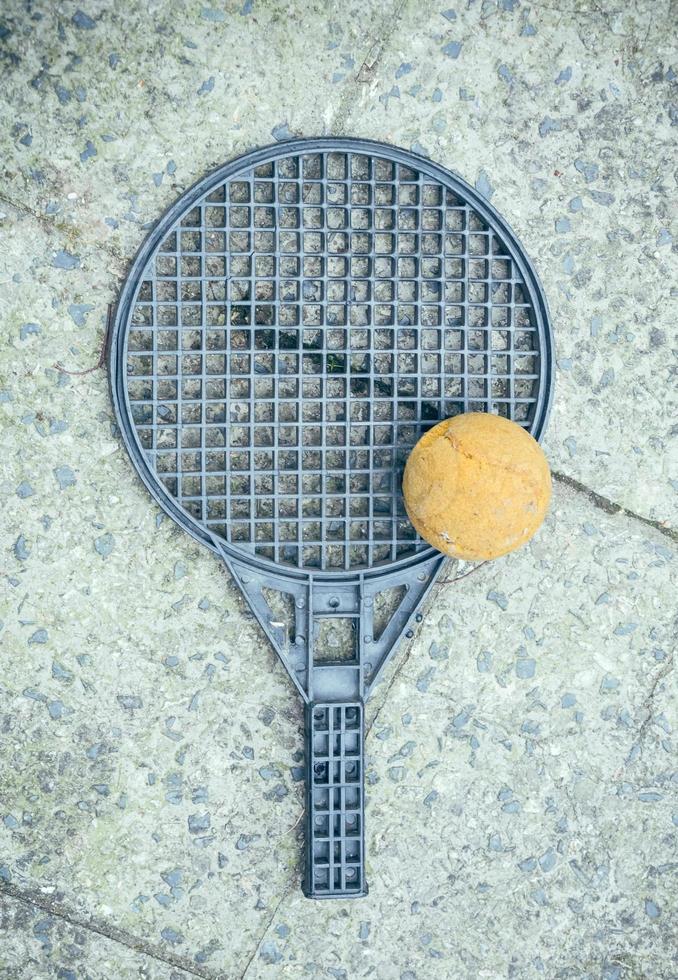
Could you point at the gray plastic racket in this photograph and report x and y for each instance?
(288, 330)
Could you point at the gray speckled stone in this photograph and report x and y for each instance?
(521, 804)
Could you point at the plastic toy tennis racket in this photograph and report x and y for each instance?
(286, 333)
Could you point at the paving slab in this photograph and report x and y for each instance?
(521, 801)
(120, 693)
(521, 788)
(561, 115)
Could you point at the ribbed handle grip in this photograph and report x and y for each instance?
(335, 820)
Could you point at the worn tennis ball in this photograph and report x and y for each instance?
(476, 486)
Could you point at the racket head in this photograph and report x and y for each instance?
(424, 302)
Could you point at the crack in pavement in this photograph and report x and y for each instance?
(666, 669)
(286, 892)
(57, 228)
(365, 74)
(648, 702)
(402, 659)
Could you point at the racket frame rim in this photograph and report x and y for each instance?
(121, 324)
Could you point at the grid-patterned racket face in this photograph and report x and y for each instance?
(297, 325)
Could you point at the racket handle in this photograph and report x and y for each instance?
(335, 811)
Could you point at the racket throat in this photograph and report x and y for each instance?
(334, 637)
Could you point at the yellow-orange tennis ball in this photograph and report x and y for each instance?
(476, 486)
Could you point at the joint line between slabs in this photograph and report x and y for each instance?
(110, 932)
(610, 507)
